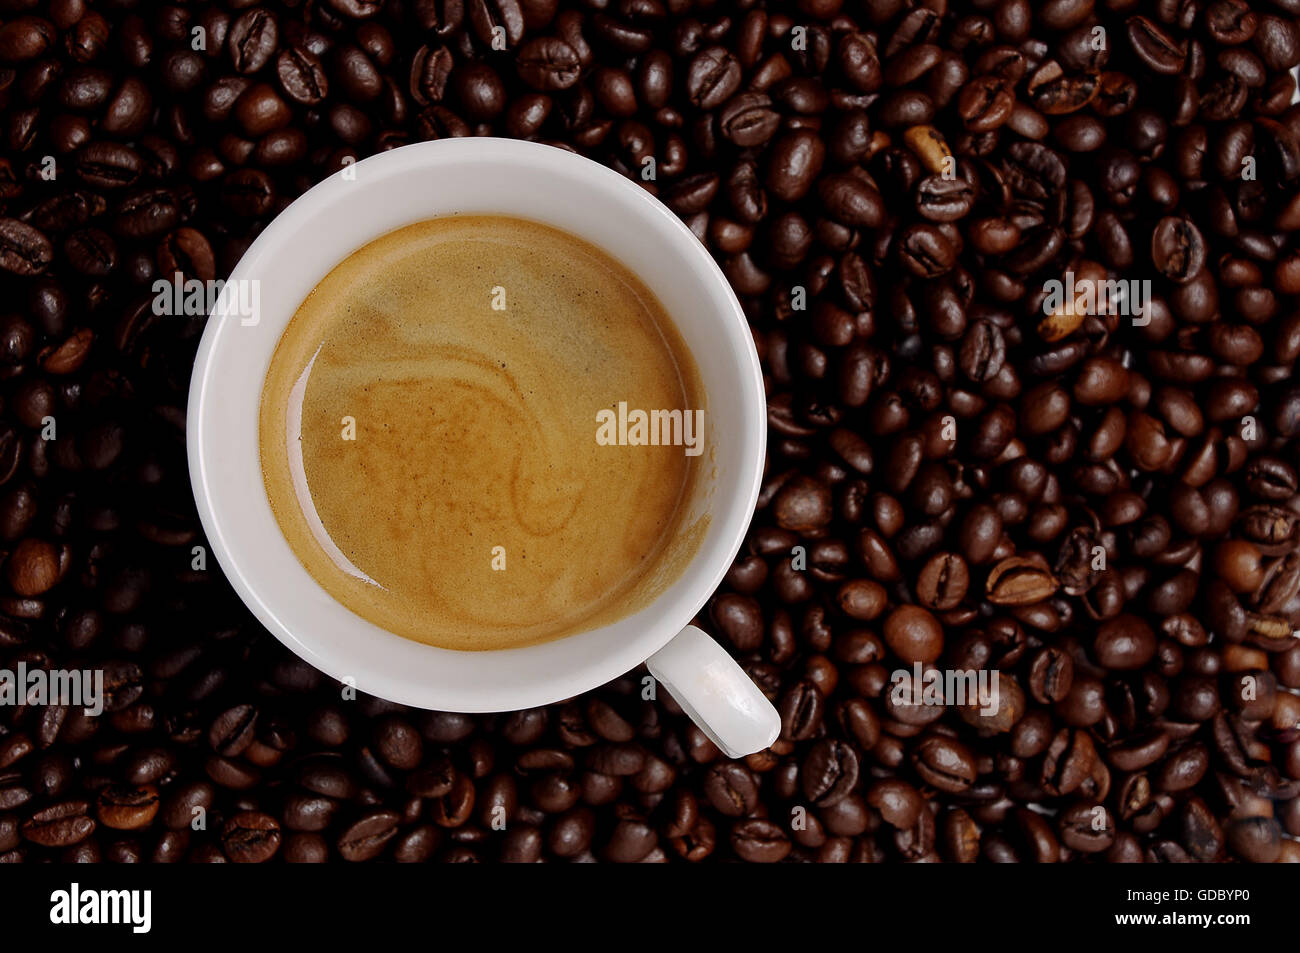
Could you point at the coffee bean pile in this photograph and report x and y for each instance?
(1094, 504)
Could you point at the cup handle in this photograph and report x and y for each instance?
(716, 693)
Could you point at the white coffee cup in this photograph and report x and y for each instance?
(525, 180)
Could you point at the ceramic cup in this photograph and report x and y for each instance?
(524, 180)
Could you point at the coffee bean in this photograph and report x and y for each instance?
(731, 789)
(259, 110)
(1202, 835)
(356, 75)
(479, 91)
(760, 841)
(829, 773)
(180, 803)
(248, 192)
(305, 849)
(1183, 769)
(399, 744)
(740, 620)
(252, 40)
(250, 837)
(983, 352)
(25, 38)
(944, 200)
(233, 730)
(1051, 675)
(1068, 762)
(1125, 642)
(366, 838)
(1018, 581)
(91, 251)
(59, 825)
(944, 764)
(34, 567)
(861, 599)
(985, 103)
(631, 841)
(943, 581)
(849, 200)
(925, 251)
(83, 88)
(127, 114)
(487, 16)
(1255, 839)
(712, 77)
(127, 808)
(913, 634)
(548, 64)
(802, 504)
(301, 75)
(747, 119)
(1154, 47)
(796, 159)
(23, 249)
(147, 213)
(1177, 249)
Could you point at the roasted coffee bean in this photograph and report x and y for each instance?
(147, 213)
(489, 16)
(60, 825)
(127, 114)
(548, 64)
(1159, 51)
(1177, 249)
(1087, 828)
(985, 103)
(760, 841)
(127, 808)
(233, 730)
(1051, 675)
(829, 773)
(1255, 839)
(913, 634)
(23, 250)
(925, 251)
(1018, 581)
(731, 789)
(944, 200)
(1125, 642)
(250, 837)
(25, 38)
(983, 352)
(301, 75)
(850, 201)
(943, 581)
(944, 764)
(248, 192)
(367, 837)
(712, 77)
(795, 161)
(252, 40)
(748, 119)
(91, 251)
(740, 619)
(83, 88)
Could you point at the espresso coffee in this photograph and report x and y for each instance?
(435, 435)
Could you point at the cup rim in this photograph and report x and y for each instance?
(536, 679)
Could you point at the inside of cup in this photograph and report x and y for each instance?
(352, 208)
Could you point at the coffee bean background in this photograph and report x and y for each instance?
(951, 459)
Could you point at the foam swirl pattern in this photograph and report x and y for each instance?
(475, 428)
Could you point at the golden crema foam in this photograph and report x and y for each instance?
(430, 416)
